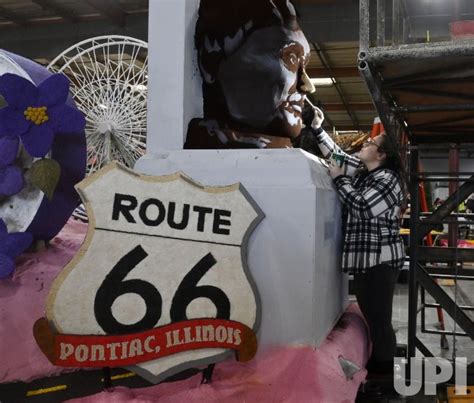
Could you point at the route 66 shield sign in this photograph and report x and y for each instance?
(161, 283)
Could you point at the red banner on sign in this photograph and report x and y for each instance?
(67, 350)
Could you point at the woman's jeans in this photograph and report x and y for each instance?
(374, 291)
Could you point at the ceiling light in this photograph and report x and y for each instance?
(323, 82)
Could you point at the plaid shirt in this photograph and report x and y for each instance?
(372, 209)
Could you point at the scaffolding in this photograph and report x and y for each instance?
(424, 93)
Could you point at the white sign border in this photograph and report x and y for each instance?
(81, 186)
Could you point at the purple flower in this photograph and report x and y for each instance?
(36, 114)
(11, 177)
(11, 246)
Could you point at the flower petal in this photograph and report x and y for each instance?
(18, 91)
(12, 122)
(15, 244)
(3, 229)
(11, 180)
(66, 119)
(8, 150)
(38, 139)
(54, 90)
(6, 266)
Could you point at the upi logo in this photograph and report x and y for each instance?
(436, 370)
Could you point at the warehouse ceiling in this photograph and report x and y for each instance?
(42, 29)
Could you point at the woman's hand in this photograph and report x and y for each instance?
(318, 118)
(335, 170)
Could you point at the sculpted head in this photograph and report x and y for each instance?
(252, 56)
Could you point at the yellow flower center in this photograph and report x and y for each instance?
(37, 115)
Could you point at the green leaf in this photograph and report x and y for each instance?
(44, 174)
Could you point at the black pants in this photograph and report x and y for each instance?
(374, 291)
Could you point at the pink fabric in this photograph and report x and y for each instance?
(287, 374)
(22, 302)
(462, 243)
(462, 29)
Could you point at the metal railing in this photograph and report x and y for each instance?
(398, 22)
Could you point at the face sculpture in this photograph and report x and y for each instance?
(264, 82)
(260, 75)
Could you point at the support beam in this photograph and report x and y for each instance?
(380, 22)
(46, 41)
(422, 348)
(467, 130)
(396, 22)
(364, 25)
(338, 72)
(438, 93)
(381, 101)
(13, 17)
(434, 108)
(63, 12)
(350, 127)
(439, 123)
(362, 107)
(414, 245)
(445, 255)
(451, 203)
(449, 271)
(422, 137)
(429, 284)
(418, 51)
(453, 187)
(328, 68)
(110, 9)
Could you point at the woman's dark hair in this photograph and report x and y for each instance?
(393, 160)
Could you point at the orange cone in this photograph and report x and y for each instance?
(377, 128)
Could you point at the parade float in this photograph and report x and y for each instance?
(196, 258)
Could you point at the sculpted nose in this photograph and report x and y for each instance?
(305, 84)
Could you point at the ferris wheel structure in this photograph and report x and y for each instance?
(108, 77)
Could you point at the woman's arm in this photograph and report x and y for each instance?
(373, 201)
(327, 146)
(326, 143)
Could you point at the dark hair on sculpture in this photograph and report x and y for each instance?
(222, 27)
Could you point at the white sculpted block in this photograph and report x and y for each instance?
(294, 253)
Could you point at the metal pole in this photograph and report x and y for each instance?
(396, 22)
(456, 10)
(364, 22)
(412, 285)
(380, 22)
(434, 108)
(382, 109)
(107, 377)
(453, 188)
(328, 68)
(404, 31)
(406, 22)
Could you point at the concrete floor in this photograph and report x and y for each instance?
(463, 346)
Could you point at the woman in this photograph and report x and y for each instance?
(252, 57)
(371, 190)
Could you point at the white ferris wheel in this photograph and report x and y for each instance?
(109, 85)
